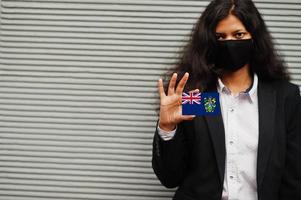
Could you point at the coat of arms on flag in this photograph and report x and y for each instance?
(200, 104)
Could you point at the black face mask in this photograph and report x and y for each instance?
(232, 55)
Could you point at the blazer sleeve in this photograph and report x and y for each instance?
(170, 158)
(291, 181)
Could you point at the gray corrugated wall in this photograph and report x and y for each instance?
(78, 91)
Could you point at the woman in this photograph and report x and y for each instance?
(253, 149)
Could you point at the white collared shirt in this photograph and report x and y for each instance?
(240, 118)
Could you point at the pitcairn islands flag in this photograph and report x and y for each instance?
(200, 104)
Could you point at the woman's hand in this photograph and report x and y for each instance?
(171, 104)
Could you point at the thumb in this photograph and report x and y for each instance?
(194, 91)
(187, 117)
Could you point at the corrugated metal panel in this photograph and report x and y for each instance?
(78, 91)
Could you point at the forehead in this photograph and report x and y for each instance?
(229, 24)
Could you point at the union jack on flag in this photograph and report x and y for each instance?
(191, 98)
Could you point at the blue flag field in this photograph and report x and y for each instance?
(200, 104)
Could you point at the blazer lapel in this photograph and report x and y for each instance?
(266, 109)
(217, 132)
(216, 129)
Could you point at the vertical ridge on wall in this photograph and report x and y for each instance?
(78, 91)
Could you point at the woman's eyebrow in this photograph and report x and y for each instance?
(236, 31)
(239, 30)
(219, 33)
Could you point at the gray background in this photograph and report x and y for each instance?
(78, 91)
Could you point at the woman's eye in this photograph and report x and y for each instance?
(219, 37)
(239, 35)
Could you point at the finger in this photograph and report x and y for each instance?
(182, 83)
(161, 88)
(194, 91)
(172, 83)
(187, 117)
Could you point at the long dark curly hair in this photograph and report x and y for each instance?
(197, 58)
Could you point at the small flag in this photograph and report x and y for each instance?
(200, 103)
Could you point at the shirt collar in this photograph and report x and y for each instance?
(250, 91)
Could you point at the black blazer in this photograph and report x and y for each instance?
(194, 160)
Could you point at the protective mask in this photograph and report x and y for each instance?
(233, 54)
